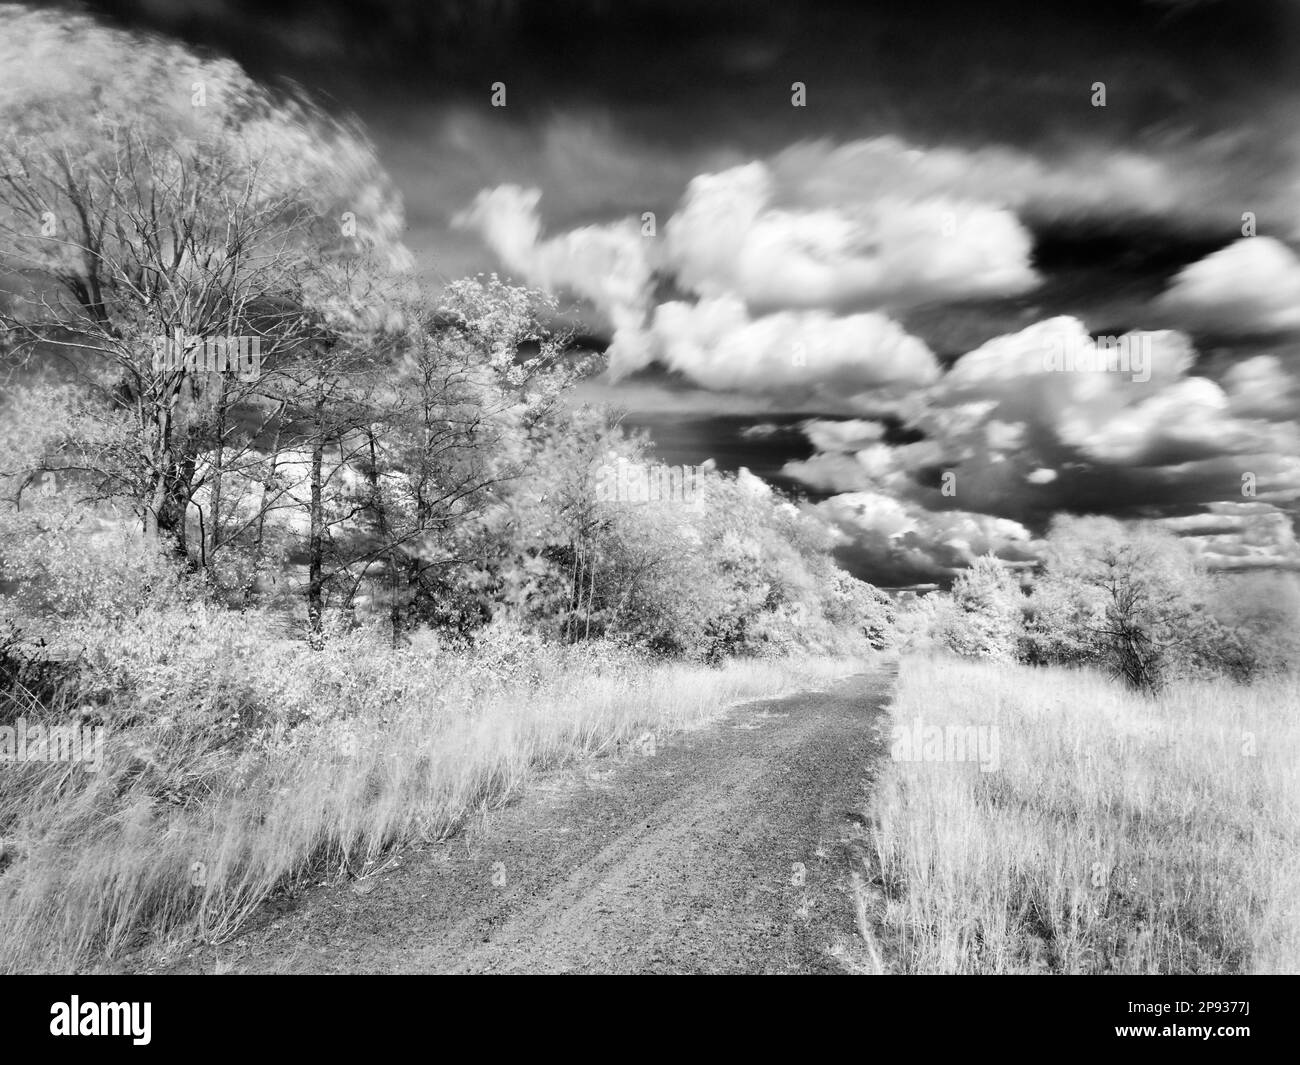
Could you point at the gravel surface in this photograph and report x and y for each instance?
(727, 849)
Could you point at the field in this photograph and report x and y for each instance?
(1115, 834)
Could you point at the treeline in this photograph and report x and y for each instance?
(1128, 597)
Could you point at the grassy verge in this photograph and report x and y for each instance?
(1110, 834)
(236, 764)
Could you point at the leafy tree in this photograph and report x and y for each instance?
(986, 612)
(458, 425)
(1136, 595)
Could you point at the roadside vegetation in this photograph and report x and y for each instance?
(241, 765)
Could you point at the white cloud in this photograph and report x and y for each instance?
(1183, 421)
(1252, 286)
(717, 344)
(607, 265)
(1240, 536)
(731, 237)
(1260, 386)
(887, 535)
(845, 471)
(1022, 438)
(1179, 181)
(846, 435)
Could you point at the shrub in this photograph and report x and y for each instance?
(1062, 614)
(985, 619)
(71, 563)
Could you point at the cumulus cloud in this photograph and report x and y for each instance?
(1250, 287)
(874, 225)
(731, 237)
(1058, 363)
(1022, 439)
(717, 344)
(1184, 422)
(1259, 386)
(846, 435)
(1102, 414)
(607, 265)
(889, 539)
(763, 261)
(844, 471)
(797, 266)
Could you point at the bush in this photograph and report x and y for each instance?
(1261, 611)
(69, 563)
(1133, 598)
(32, 684)
(985, 618)
(1062, 615)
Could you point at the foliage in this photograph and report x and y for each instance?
(984, 620)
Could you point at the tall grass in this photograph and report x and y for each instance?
(1117, 834)
(237, 764)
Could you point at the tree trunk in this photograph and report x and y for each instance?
(260, 534)
(316, 541)
(218, 470)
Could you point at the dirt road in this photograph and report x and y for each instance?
(723, 850)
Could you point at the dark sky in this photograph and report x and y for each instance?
(798, 303)
(677, 82)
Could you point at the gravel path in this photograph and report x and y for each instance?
(723, 850)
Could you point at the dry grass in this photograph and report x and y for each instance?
(237, 765)
(1118, 834)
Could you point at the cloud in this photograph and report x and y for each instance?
(1093, 416)
(1250, 287)
(1259, 386)
(1184, 422)
(891, 540)
(1237, 536)
(607, 265)
(753, 253)
(873, 225)
(846, 435)
(717, 344)
(730, 245)
(730, 237)
(844, 471)
(1085, 183)
(1022, 441)
(797, 265)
